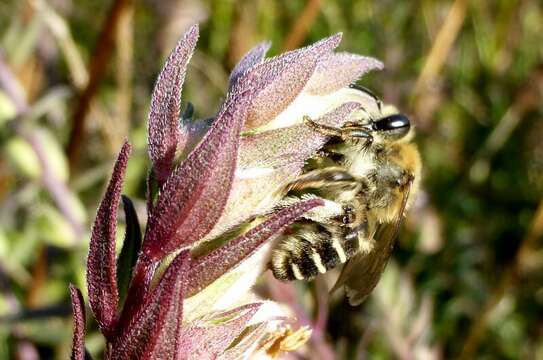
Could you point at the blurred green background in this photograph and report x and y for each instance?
(467, 276)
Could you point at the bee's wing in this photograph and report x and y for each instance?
(362, 272)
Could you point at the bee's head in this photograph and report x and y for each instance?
(392, 127)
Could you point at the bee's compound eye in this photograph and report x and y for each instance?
(396, 125)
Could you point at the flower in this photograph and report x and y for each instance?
(184, 290)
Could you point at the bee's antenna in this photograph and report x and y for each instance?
(368, 92)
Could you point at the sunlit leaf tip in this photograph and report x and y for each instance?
(78, 338)
(101, 262)
(165, 135)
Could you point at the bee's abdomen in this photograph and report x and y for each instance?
(307, 254)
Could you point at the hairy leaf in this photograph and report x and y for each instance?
(101, 266)
(78, 338)
(143, 274)
(283, 77)
(164, 132)
(252, 58)
(153, 329)
(339, 70)
(195, 194)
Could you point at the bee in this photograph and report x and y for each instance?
(367, 174)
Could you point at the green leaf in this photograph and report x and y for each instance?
(53, 226)
(131, 247)
(23, 158)
(7, 108)
(188, 114)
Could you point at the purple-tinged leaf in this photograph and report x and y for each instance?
(168, 334)
(154, 327)
(101, 266)
(164, 132)
(210, 267)
(78, 338)
(150, 191)
(283, 77)
(208, 338)
(336, 71)
(252, 58)
(143, 274)
(194, 196)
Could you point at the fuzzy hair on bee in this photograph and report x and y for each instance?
(367, 174)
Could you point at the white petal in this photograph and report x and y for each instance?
(316, 106)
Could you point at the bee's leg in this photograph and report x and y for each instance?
(356, 133)
(365, 236)
(323, 129)
(356, 232)
(332, 154)
(327, 153)
(345, 238)
(405, 179)
(320, 214)
(333, 176)
(392, 178)
(345, 133)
